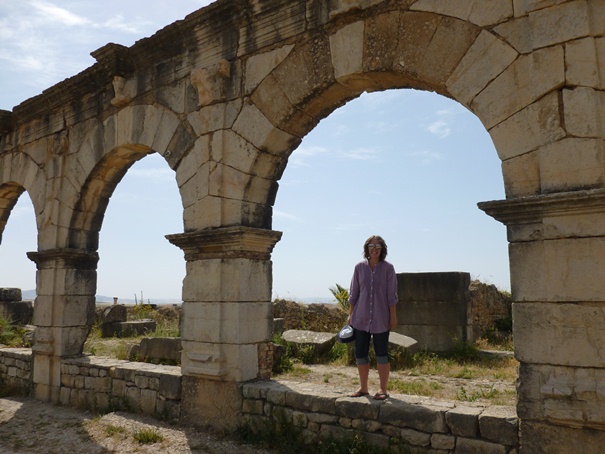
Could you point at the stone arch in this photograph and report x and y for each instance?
(394, 49)
(115, 145)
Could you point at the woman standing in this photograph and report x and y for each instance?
(373, 299)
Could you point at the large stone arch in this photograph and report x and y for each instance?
(228, 93)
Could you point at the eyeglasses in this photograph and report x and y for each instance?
(372, 246)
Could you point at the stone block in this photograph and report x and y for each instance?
(543, 437)
(581, 63)
(299, 339)
(415, 437)
(259, 66)
(484, 61)
(346, 47)
(538, 124)
(530, 77)
(229, 280)
(160, 349)
(559, 24)
(355, 408)
(237, 362)
(10, 294)
(113, 313)
(257, 129)
(226, 322)
(148, 401)
(480, 12)
(471, 446)
(565, 333)
(435, 338)
(422, 34)
(584, 112)
(521, 176)
(127, 329)
(463, 421)
(441, 441)
(500, 424)
(308, 399)
(426, 418)
(209, 402)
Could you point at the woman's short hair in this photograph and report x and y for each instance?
(375, 238)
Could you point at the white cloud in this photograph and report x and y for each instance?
(55, 13)
(439, 128)
(155, 174)
(361, 154)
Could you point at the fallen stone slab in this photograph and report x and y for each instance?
(128, 329)
(321, 342)
(164, 350)
(402, 341)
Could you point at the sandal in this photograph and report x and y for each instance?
(359, 394)
(380, 396)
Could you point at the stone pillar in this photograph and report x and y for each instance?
(64, 311)
(557, 263)
(227, 318)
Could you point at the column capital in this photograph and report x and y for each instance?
(227, 242)
(68, 257)
(527, 210)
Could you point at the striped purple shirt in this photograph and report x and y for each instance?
(371, 294)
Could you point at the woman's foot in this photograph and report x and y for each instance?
(359, 393)
(380, 395)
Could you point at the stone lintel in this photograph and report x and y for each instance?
(65, 257)
(227, 242)
(533, 209)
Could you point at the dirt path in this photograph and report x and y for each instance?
(29, 426)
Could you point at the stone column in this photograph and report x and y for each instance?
(557, 263)
(64, 311)
(227, 318)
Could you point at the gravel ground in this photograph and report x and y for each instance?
(30, 426)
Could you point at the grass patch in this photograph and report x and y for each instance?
(148, 436)
(112, 430)
(11, 335)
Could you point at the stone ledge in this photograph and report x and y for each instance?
(417, 421)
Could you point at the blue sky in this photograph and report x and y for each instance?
(408, 165)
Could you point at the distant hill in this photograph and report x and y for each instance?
(31, 295)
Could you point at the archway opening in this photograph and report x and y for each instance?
(19, 237)
(410, 166)
(138, 267)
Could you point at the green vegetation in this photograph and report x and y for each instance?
(11, 335)
(341, 295)
(148, 436)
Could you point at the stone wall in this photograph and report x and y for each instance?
(106, 384)
(328, 318)
(489, 308)
(13, 308)
(421, 424)
(15, 370)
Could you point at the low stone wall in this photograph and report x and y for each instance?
(420, 424)
(16, 370)
(106, 384)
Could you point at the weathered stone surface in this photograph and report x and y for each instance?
(485, 60)
(463, 421)
(499, 424)
(566, 333)
(427, 418)
(321, 342)
(480, 12)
